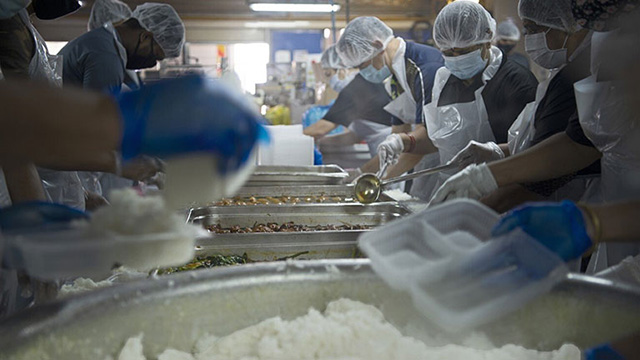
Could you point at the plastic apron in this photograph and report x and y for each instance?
(370, 132)
(404, 106)
(614, 130)
(452, 127)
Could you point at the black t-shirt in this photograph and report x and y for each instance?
(559, 103)
(360, 100)
(505, 95)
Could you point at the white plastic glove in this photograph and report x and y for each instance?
(353, 174)
(474, 182)
(390, 149)
(477, 153)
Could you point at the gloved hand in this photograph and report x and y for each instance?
(477, 153)
(474, 182)
(353, 174)
(186, 115)
(390, 149)
(602, 352)
(558, 226)
(38, 215)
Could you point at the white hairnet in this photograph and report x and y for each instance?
(165, 25)
(508, 30)
(104, 11)
(462, 24)
(555, 14)
(357, 44)
(330, 59)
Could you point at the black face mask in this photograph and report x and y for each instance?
(53, 9)
(136, 61)
(506, 48)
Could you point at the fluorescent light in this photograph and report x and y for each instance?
(295, 7)
(327, 33)
(277, 24)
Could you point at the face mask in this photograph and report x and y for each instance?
(52, 9)
(337, 84)
(371, 74)
(538, 49)
(466, 66)
(136, 61)
(506, 48)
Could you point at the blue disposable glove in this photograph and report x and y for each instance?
(602, 352)
(187, 115)
(38, 216)
(558, 226)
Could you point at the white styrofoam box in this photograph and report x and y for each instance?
(458, 278)
(289, 146)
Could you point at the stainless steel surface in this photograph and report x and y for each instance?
(277, 246)
(176, 310)
(369, 186)
(297, 175)
(301, 214)
(344, 191)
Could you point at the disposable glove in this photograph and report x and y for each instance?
(38, 216)
(477, 153)
(187, 115)
(390, 149)
(353, 174)
(602, 352)
(474, 182)
(558, 226)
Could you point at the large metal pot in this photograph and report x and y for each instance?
(174, 311)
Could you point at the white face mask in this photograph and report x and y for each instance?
(538, 49)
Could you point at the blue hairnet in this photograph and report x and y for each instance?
(462, 24)
(356, 45)
(508, 30)
(165, 25)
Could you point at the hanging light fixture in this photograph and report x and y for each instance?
(297, 6)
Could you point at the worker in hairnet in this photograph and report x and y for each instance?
(507, 38)
(359, 108)
(555, 41)
(369, 45)
(477, 95)
(99, 59)
(114, 12)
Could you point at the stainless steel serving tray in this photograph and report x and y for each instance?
(174, 311)
(300, 214)
(297, 175)
(342, 191)
(270, 246)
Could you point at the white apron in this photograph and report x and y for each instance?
(608, 123)
(404, 106)
(370, 132)
(452, 127)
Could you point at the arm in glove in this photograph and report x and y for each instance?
(561, 227)
(186, 115)
(390, 149)
(477, 153)
(474, 182)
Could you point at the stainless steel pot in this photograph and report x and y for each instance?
(174, 311)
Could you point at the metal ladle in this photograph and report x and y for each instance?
(369, 186)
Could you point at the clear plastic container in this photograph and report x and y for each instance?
(74, 253)
(456, 277)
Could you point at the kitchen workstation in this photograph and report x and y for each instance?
(319, 179)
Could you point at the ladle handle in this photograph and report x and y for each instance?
(418, 174)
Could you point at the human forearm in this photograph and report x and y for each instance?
(85, 126)
(613, 222)
(319, 129)
(405, 163)
(343, 139)
(372, 166)
(552, 158)
(23, 183)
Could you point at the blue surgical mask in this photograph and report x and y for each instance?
(371, 74)
(466, 66)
